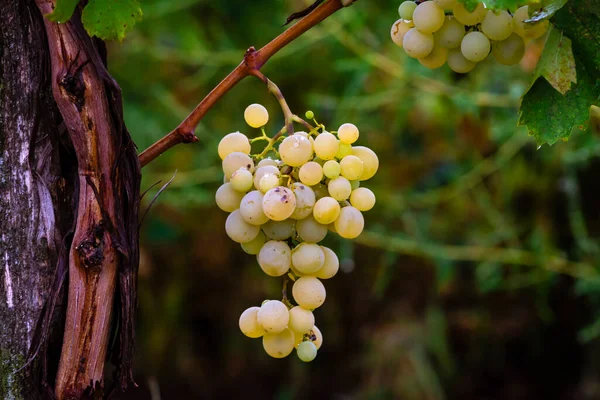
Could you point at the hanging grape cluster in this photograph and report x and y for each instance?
(281, 207)
(437, 32)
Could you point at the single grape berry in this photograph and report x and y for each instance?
(256, 115)
(309, 114)
(307, 351)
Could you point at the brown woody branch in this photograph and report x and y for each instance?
(253, 61)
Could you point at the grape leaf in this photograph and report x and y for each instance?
(547, 11)
(557, 63)
(511, 5)
(551, 116)
(111, 19)
(62, 11)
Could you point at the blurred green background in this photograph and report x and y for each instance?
(476, 275)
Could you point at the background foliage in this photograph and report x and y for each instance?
(476, 278)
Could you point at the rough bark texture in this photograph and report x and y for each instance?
(32, 194)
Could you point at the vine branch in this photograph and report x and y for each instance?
(252, 63)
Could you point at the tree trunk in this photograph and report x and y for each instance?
(33, 216)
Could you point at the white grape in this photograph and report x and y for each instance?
(332, 169)
(233, 142)
(267, 161)
(253, 247)
(306, 351)
(350, 223)
(241, 180)
(475, 46)
(239, 230)
(295, 150)
(344, 150)
(450, 34)
(362, 199)
(326, 210)
(279, 230)
(319, 337)
(262, 171)
(330, 266)
(251, 208)
(301, 320)
(305, 200)
(268, 182)
(339, 188)
(275, 258)
(309, 292)
(228, 199)
(311, 173)
(369, 159)
(406, 9)
(348, 133)
(354, 184)
(273, 316)
(249, 324)
(256, 115)
(279, 203)
(509, 51)
(436, 58)
(528, 31)
(279, 345)
(417, 44)
(235, 161)
(469, 18)
(351, 167)
(458, 63)
(446, 4)
(497, 25)
(308, 258)
(428, 17)
(326, 146)
(399, 29)
(309, 230)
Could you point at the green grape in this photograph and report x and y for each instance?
(296, 150)
(509, 51)
(309, 292)
(249, 324)
(301, 320)
(369, 159)
(350, 223)
(320, 191)
(458, 63)
(308, 258)
(231, 142)
(326, 146)
(309, 230)
(238, 229)
(279, 203)
(355, 184)
(399, 29)
(275, 259)
(279, 345)
(306, 351)
(469, 18)
(235, 161)
(227, 198)
(428, 17)
(344, 150)
(348, 133)
(268, 182)
(331, 265)
(309, 114)
(436, 58)
(450, 34)
(305, 200)
(262, 171)
(446, 4)
(475, 46)
(417, 44)
(241, 180)
(497, 25)
(406, 10)
(351, 167)
(256, 115)
(528, 31)
(253, 247)
(311, 173)
(251, 208)
(332, 169)
(362, 199)
(279, 230)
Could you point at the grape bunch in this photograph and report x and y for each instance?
(437, 32)
(281, 207)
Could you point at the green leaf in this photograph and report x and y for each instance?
(62, 11)
(557, 63)
(111, 19)
(511, 5)
(547, 11)
(551, 116)
(470, 4)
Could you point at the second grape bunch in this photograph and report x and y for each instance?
(282, 202)
(437, 32)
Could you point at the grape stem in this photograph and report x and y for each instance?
(275, 91)
(284, 296)
(253, 61)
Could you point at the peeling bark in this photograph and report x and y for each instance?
(32, 193)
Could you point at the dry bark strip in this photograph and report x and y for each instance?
(104, 250)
